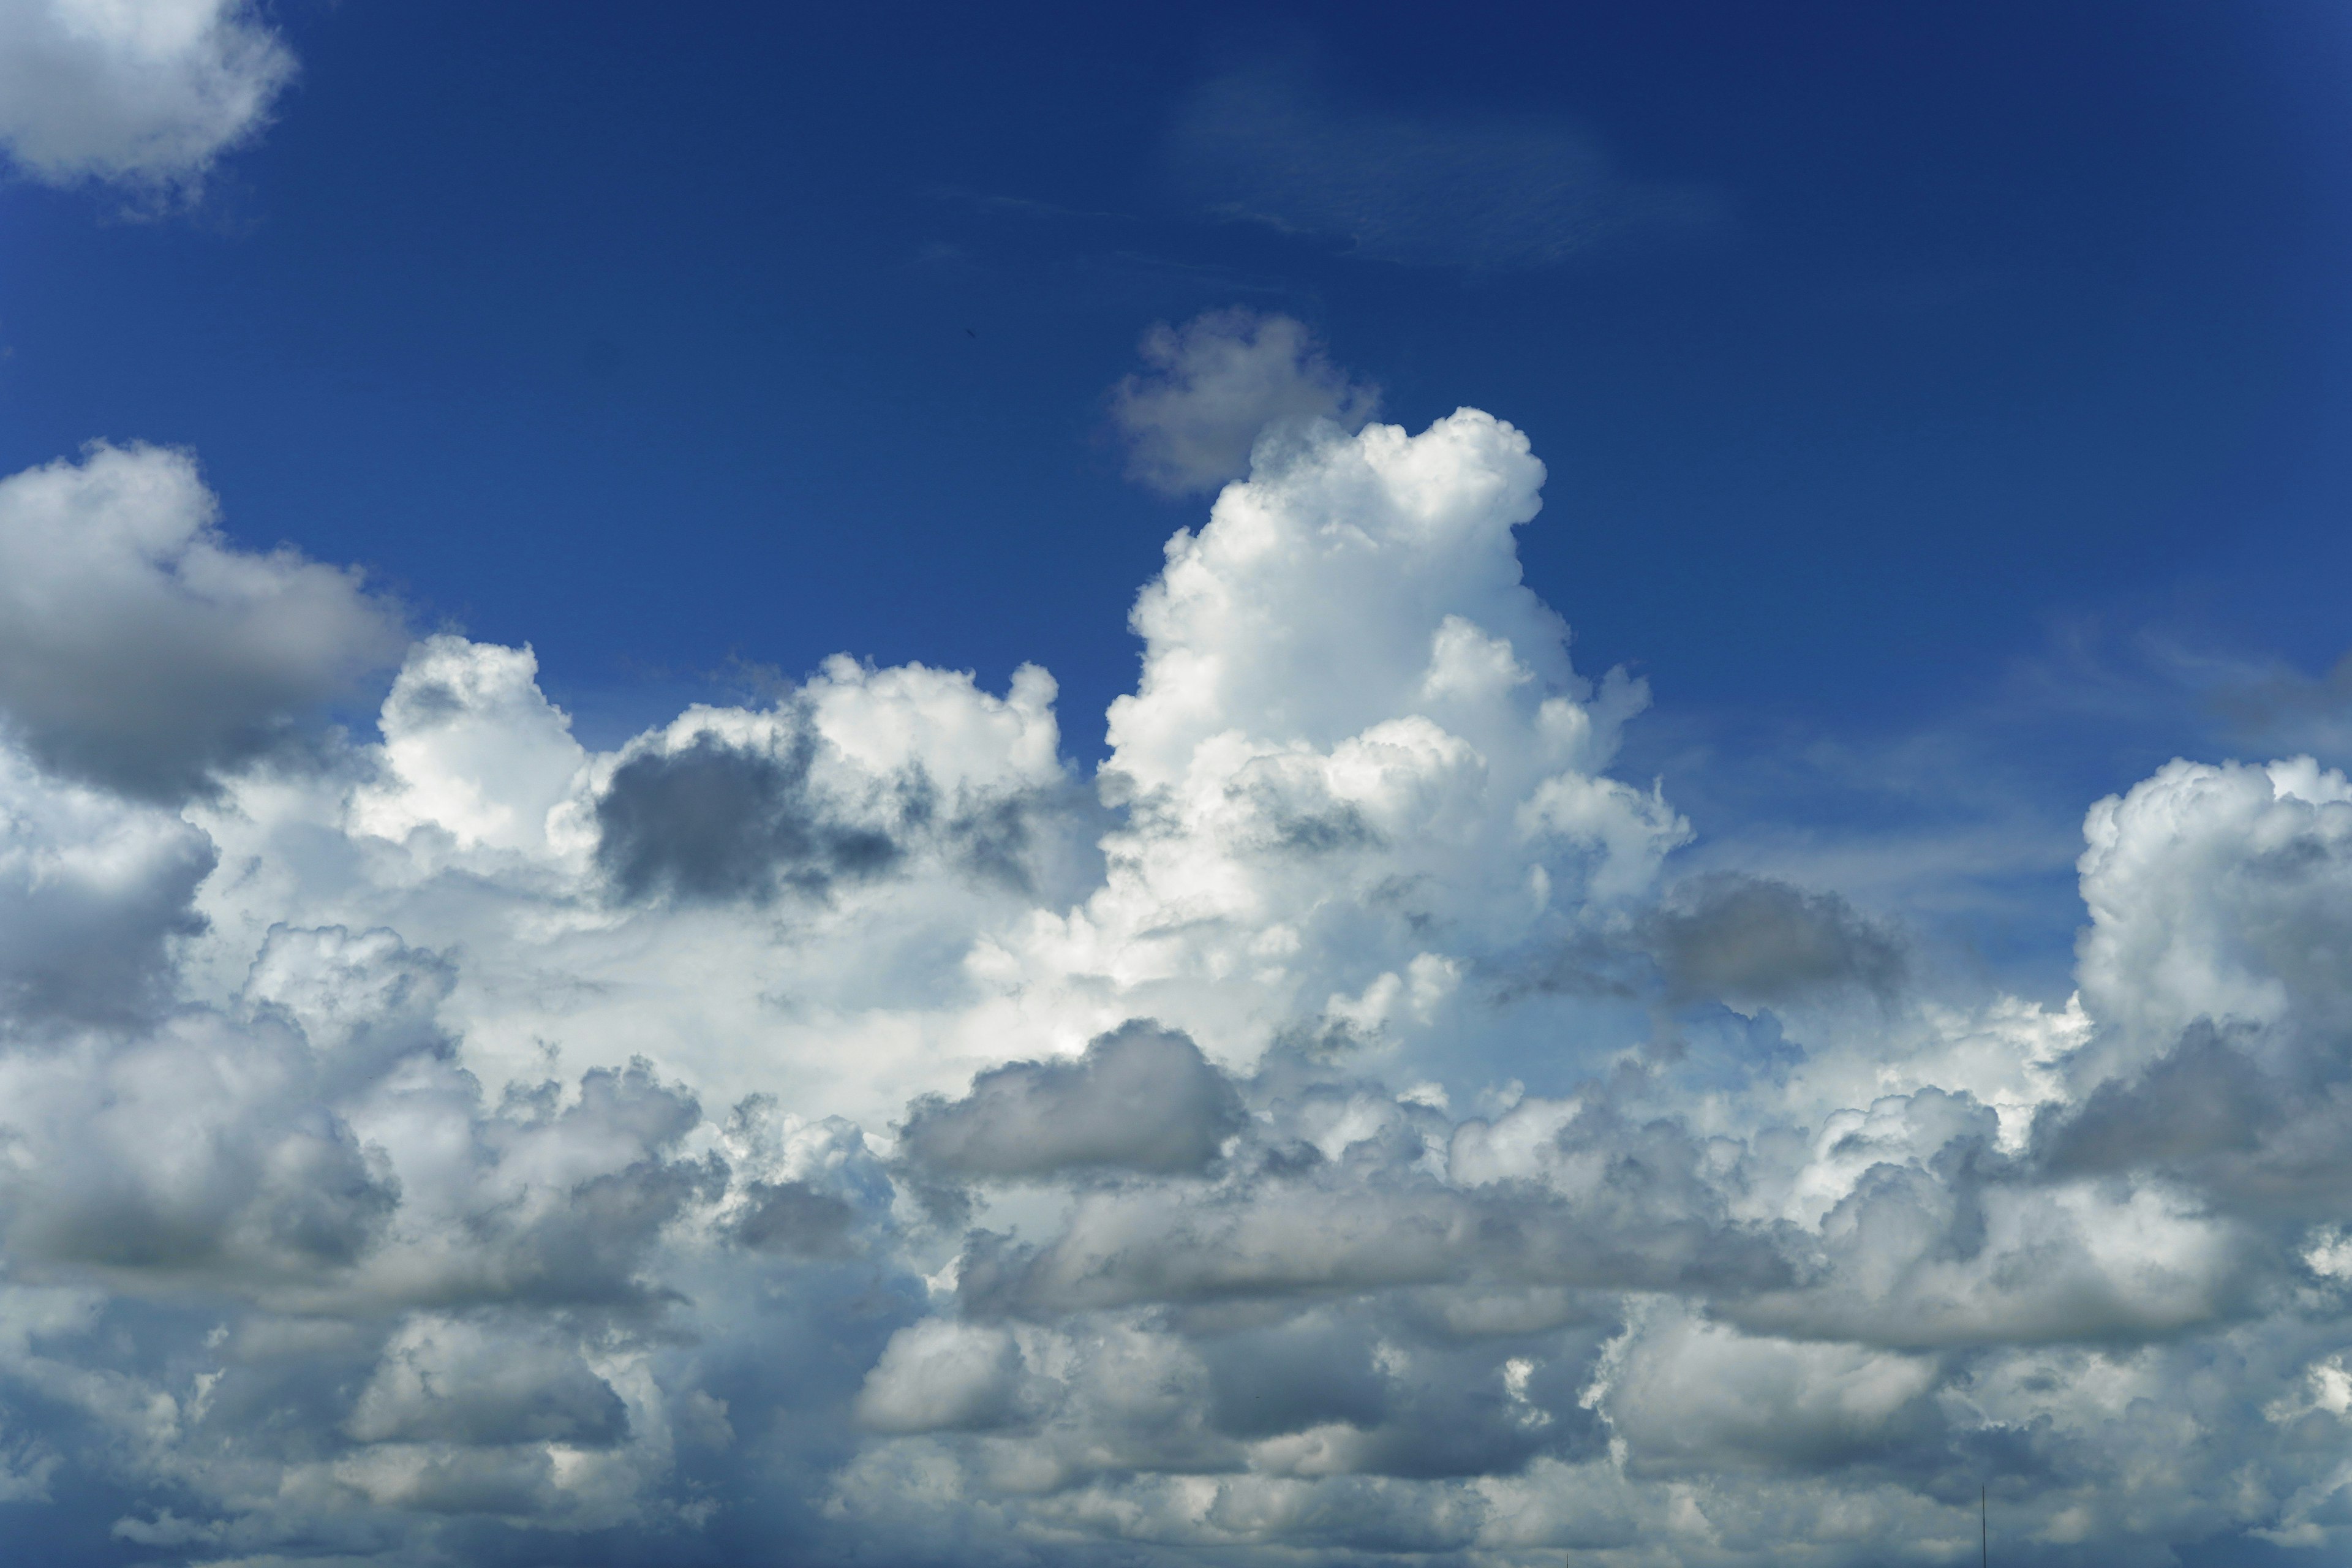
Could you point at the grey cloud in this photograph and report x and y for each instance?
(1140, 1098)
(1435, 1411)
(1036, 842)
(93, 894)
(1267, 1381)
(1342, 1389)
(321, 1143)
(712, 822)
(1454, 1411)
(475, 1384)
(1270, 145)
(1219, 383)
(1292, 810)
(938, 1375)
(364, 1001)
(1688, 1397)
(796, 1217)
(1943, 1241)
(197, 1151)
(139, 650)
(2199, 1100)
(1751, 938)
(995, 840)
(583, 1241)
(589, 1248)
(2212, 1115)
(1287, 1223)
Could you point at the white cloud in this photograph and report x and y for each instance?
(752, 1133)
(146, 93)
(472, 751)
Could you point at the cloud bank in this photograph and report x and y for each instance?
(1333, 1131)
(143, 93)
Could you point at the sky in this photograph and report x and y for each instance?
(1292, 785)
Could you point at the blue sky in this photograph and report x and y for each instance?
(1940, 409)
(1981, 342)
(650, 343)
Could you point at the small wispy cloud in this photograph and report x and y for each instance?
(1213, 386)
(1270, 144)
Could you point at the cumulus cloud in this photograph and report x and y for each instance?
(139, 649)
(1270, 144)
(145, 94)
(713, 822)
(1756, 939)
(1330, 1132)
(1140, 1098)
(93, 891)
(1216, 387)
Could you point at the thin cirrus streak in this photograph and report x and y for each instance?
(837, 1126)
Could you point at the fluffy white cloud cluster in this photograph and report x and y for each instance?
(146, 93)
(835, 1128)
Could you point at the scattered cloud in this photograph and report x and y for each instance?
(146, 96)
(1271, 144)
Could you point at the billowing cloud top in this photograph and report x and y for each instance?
(835, 1129)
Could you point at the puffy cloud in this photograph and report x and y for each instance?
(465, 1384)
(1687, 1395)
(713, 822)
(2218, 893)
(471, 1145)
(936, 1375)
(1140, 1098)
(1269, 144)
(141, 650)
(93, 891)
(1219, 384)
(472, 751)
(1754, 940)
(145, 92)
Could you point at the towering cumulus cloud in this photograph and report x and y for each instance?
(838, 1131)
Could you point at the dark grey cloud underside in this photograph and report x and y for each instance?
(1141, 1098)
(713, 823)
(1751, 938)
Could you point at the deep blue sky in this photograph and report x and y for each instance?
(648, 336)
